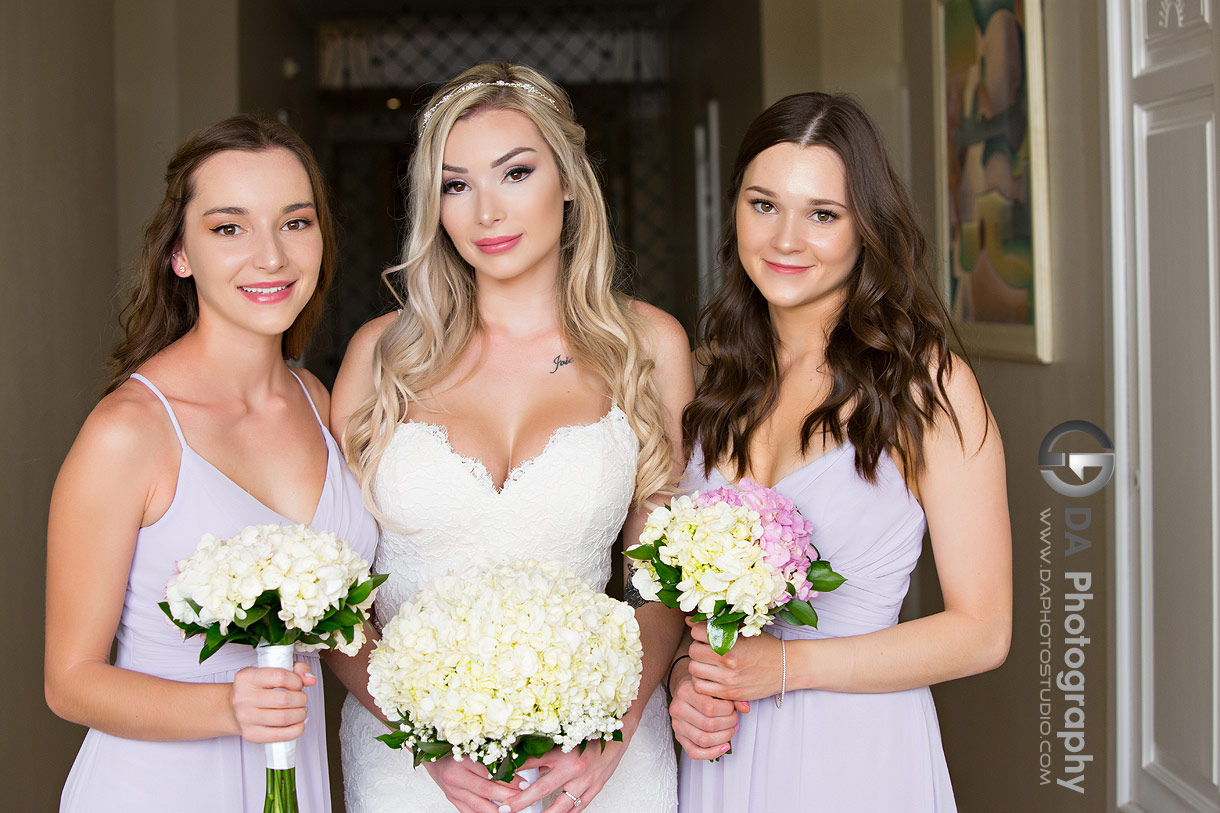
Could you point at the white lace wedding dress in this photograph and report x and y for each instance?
(567, 504)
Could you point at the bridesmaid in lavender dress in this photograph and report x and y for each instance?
(213, 433)
(828, 374)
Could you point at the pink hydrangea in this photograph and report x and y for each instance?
(785, 536)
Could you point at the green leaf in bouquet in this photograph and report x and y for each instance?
(697, 617)
(327, 623)
(669, 596)
(429, 752)
(784, 615)
(395, 739)
(729, 618)
(641, 552)
(194, 605)
(348, 633)
(721, 637)
(252, 616)
(822, 578)
(362, 591)
(348, 618)
(668, 574)
(719, 608)
(535, 745)
(802, 611)
(617, 736)
(505, 769)
(213, 641)
(791, 590)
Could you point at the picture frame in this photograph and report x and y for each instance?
(993, 215)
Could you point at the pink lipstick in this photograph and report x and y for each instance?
(497, 245)
(786, 269)
(267, 293)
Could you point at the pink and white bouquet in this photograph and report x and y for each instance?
(734, 557)
(277, 588)
(504, 661)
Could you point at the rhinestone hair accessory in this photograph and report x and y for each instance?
(457, 91)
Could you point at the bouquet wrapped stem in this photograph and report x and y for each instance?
(281, 756)
(276, 588)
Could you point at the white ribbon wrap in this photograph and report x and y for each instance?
(280, 755)
(531, 775)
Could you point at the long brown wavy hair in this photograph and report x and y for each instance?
(164, 306)
(888, 353)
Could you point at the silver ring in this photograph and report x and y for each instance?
(575, 799)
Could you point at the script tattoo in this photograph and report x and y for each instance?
(559, 361)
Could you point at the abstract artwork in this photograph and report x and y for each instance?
(991, 157)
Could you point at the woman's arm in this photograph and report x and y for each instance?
(119, 475)
(962, 489)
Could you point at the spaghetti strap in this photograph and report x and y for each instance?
(305, 390)
(165, 402)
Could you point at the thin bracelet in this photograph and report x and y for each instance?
(783, 680)
(670, 676)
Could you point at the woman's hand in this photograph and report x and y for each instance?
(703, 725)
(581, 775)
(469, 786)
(753, 668)
(269, 704)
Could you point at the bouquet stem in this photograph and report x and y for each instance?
(281, 791)
(281, 756)
(530, 775)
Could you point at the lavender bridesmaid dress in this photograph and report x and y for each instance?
(836, 752)
(112, 774)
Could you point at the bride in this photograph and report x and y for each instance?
(517, 406)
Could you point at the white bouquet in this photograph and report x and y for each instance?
(733, 557)
(502, 662)
(274, 584)
(277, 588)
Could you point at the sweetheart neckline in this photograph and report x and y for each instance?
(478, 469)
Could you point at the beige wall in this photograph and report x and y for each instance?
(990, 723)
(57, 276)
(175, 70)
(881, 50)
(95, 97)
(832, 46)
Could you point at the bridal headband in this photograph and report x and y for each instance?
(457, 91)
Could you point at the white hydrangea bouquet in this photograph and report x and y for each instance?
(506, 661)
(734, 557)
(278, 588)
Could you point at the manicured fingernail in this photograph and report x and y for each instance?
(725, 749)
(747, 705)
(505, 809)
(736, 727)
(309, 674)
(523, 784)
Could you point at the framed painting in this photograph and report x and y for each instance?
(992, 195)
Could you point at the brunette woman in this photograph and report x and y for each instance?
(203, 428)
(829, 376)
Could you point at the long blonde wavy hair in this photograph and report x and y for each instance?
(436, 288)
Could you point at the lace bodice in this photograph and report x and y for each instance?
(567, 505)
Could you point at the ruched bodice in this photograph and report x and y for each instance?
(443, 510)
(851, 751)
